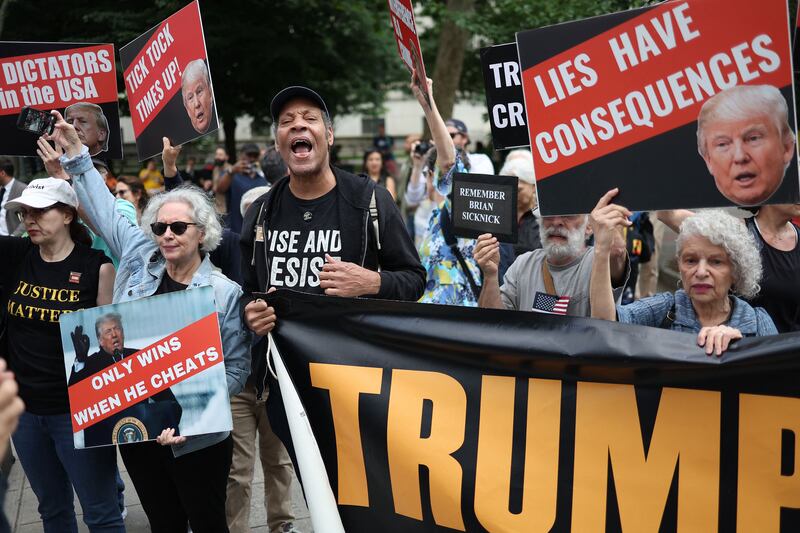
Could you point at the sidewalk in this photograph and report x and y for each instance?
(20, 505)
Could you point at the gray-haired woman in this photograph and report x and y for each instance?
(169, 252)
(717, 259)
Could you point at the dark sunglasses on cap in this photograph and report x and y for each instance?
(178, 228)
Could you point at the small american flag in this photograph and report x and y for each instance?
(551, 304)
(74, 277)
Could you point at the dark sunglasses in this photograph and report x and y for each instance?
(178, 228)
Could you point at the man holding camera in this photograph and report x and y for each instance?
(246, 174)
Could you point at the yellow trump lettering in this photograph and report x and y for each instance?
(346, 384)
(495, 440)
(686, 433)
(407, 449)
(762, 488)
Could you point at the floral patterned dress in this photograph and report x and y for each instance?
(447, 283)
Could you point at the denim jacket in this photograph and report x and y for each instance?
(751, 321)
(141, 269)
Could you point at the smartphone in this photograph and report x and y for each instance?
(36, 121)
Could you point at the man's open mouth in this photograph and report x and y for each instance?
(301, 146)
(744, 177)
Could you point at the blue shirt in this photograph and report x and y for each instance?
(751, 321)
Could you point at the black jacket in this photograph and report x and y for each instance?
(402, 274)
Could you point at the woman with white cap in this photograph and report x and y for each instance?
(51, 272)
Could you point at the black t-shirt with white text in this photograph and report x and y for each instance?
(300, 233)
(38, 294)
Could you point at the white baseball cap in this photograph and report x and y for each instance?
(44, 193)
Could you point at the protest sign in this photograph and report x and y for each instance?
(136, 368)
(613, 101)
(492, 420)
(405, 34)
(795, 49)
(485, 204)
(504, 99)
(78, 79)
(168, 83)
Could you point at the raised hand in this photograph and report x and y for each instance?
(80, 341)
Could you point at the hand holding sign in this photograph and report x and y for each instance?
(606, 220)
(169, 156)
(423, 93)
(340, 278)
(168, 438)
(487, 255)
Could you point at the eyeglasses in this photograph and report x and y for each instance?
(178, 228)
(34, 213)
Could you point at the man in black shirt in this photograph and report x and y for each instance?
(316, 230)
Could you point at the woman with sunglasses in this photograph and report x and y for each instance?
(178, 478)
(132, 189)
(51, 272)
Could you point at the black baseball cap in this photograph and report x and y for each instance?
(295, 91)
(458, 125)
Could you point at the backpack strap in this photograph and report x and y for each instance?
(373, 213)
(450, 239)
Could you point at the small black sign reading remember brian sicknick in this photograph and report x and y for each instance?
(485, 204)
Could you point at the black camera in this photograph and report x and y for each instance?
(422, 147)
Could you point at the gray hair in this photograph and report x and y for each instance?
(193, 70)
(203, 213)
(250, 196)
(728, 232)
(108, 317)
(99, 116)
(520, 165)
(741, 102)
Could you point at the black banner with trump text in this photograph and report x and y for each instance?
(436, 418)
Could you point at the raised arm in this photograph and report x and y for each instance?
(606, 219)
(97, 202)
(446, 151)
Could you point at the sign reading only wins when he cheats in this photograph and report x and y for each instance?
(131, 376)
(168, 83)
(688, 103)
(485, 204)
(77, 79)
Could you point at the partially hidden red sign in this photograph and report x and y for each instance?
(598, 87)
(161, 103)
(153, 369)
(80, 80)
(405, 34)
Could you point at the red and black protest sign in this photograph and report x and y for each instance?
(462, 419)
(504, 99)
(614, 101)
(168, 83)
(405, 34)
(78, 79)
(130, 377)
